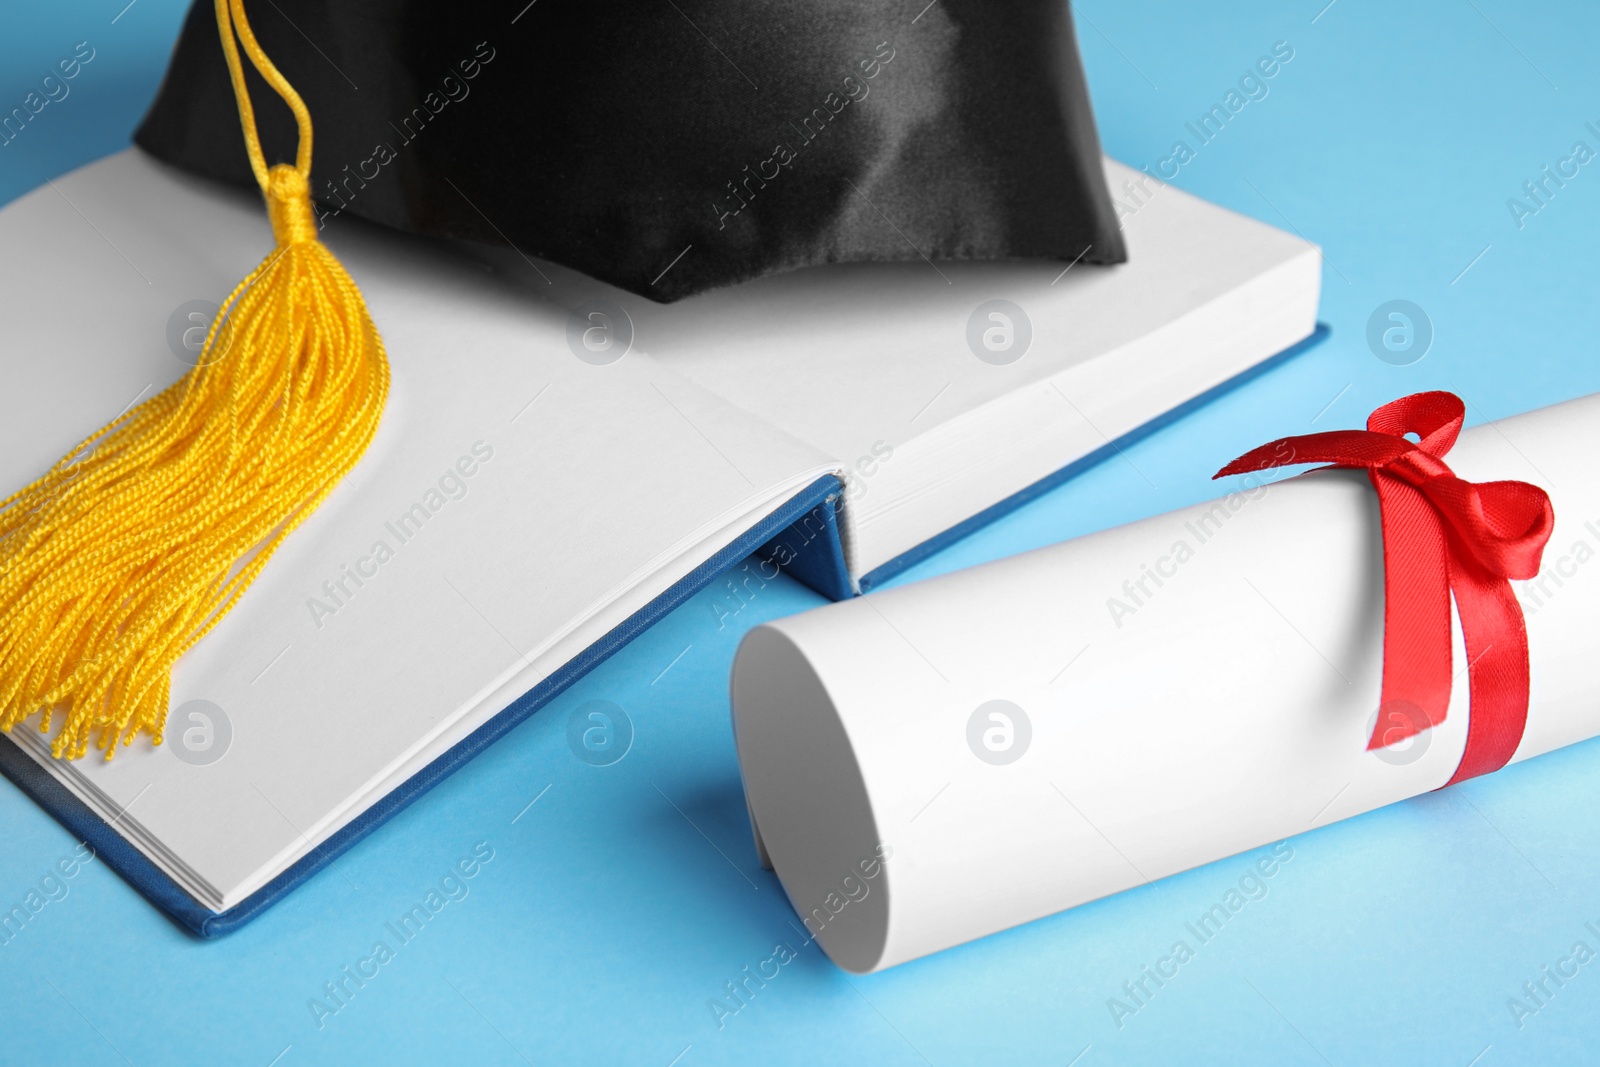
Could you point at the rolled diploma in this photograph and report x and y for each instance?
(1220, 705)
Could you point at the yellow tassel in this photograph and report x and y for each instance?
(133, 547)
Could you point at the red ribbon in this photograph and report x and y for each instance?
(1440, 535)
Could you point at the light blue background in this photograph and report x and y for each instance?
(606, 919)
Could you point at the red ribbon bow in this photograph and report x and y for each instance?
(1440, 534)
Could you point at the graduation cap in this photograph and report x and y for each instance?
(672, 146)
(664, 147)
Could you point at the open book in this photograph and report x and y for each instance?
(560, 464)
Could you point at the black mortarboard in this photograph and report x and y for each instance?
(672, 146)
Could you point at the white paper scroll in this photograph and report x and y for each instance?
(1175, 691)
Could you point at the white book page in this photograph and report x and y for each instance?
(870, 351)
(517, 491)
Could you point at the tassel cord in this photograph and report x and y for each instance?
(134, 546)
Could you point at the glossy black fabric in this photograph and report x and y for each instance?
(671, 146)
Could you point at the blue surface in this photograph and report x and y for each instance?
(621, 901)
